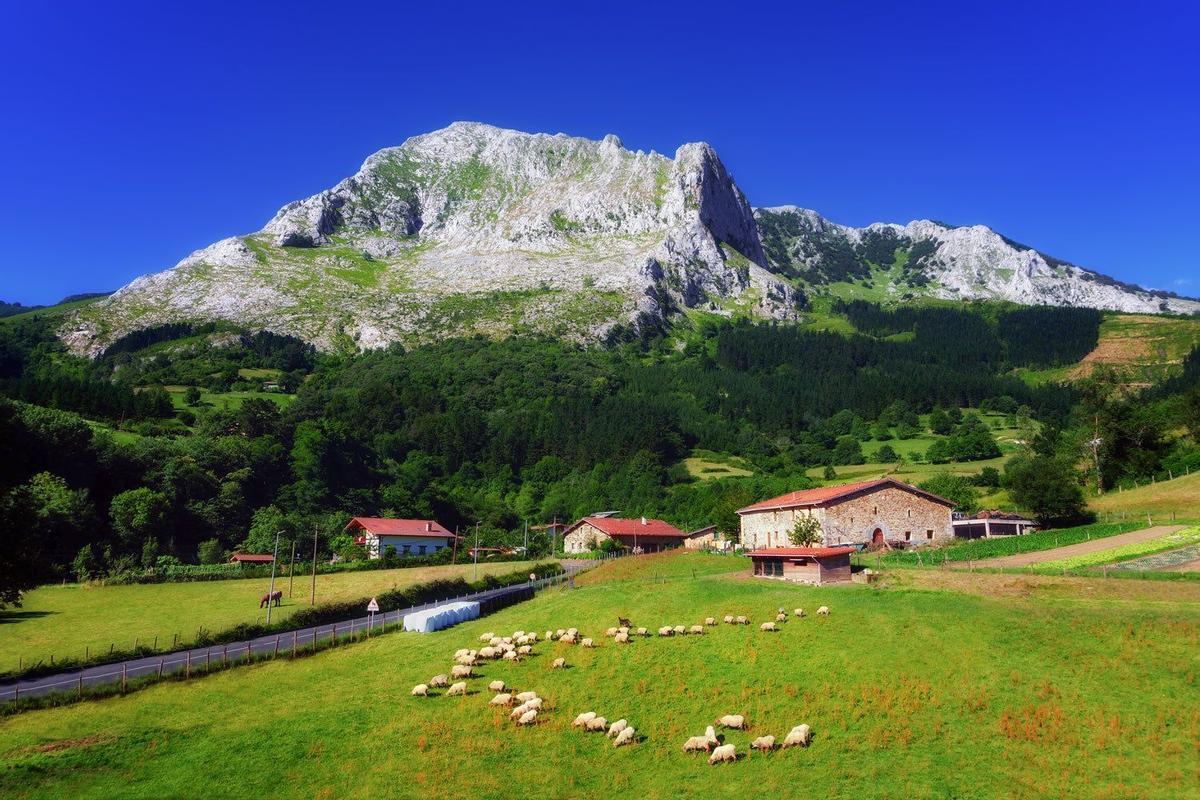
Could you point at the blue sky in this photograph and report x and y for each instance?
(135, 133)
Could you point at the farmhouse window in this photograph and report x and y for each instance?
(908, 536)
(407, 549)
(929, 534)
(422, 549)
(875, 511)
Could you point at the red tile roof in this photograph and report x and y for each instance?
(816, 552)
(253, 558)
(829, 495)
(381, 526)
(628, 528)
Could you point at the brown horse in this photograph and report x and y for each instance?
(272, 597)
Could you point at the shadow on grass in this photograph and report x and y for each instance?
(11, 617)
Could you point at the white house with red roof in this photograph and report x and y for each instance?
(643, 535)
(407, 537)
(873, 513)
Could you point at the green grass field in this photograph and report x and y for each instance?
(1180, 497)
(1183, 538)
(910, 693)
(72, 620)
(980, 549)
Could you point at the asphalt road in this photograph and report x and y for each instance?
(201, 658)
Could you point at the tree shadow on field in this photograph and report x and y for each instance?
(12, 616)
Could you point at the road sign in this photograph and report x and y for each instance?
(373, 606)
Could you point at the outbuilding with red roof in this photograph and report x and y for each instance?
(878, 513)
(407, 537)
(816, 565)
(640, 535)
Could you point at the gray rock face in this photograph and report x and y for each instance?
(478, 229)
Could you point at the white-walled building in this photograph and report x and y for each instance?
(408, 537)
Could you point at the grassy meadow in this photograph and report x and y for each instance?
(72, 619)
(911, 692)
(1180, 497)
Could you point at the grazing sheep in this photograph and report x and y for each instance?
(711, 735)
(799, 736)
(643, 632)
(420, 690)
(823, 611)
(558, 634)
(550, 635)
(583, 719)
(467, 660)
(763, 743)
(767, 626)
(736, 721)
(624, 737)
(495, 641)
(503, 699)
(524, 650)
(617, 727)
(799, 612)
(623, 630)
(729, 619)
(460, 671)
(725, 752)
(709, 621)
(535, 702)
(511, 655)
(572, 631)
(699, 629)
(497, 686)
(518, 711)
(621, 638)
(610, 632)
(460, 653)
(596, 725)
(506, 639)
(697, 743)
(742, 620)
(680, 629)
(459, 688)
(568, 638)
(486, 637)
(532, 637)
(559, 663)
(528, 718)
(781, 617)
(518, 634)
(526, 696)
(586, 642)
(439, 680)
(666, 630)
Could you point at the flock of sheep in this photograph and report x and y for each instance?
(525, 706)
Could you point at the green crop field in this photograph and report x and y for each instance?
(74, 619)
(910, 693)
(1183, 538)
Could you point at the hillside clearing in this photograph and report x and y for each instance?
(1063, 702)
(1180, 496)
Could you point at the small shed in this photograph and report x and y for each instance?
(815, 565)
(253, 559)
(707, 537)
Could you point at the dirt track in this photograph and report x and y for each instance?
(1083, 548)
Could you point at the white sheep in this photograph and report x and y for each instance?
(420, 690)
(511, 655)
(763, 743)
(624, 737)
(725, 752)
(781, 617)
(596, 725)
(532, 637)
(583, 719)
(550, 635)
(680, 629)
(699, 629)
(536, 702)
(528, 718)
(486, 637)
(460, 653)
(568, 638)
(710, 621)
(736, 721)
(666, 630)
(643, 632)
(767, 626)
(799, 612)
(488, 652)
(518, 634)
(697, 743)
(621, 638)
(572, 631)
(468, 660)
(502, 699)
(623, 629)
(559, 663)
(799, 736)
(617, 727)
(525, 696)
(524, 650)
(729, 619)
(610, 632)
(823, 611)
(495, 641)
(497, 686)
(459, 688)
(742, 620)
(558, 634)
(586, 642)
(711, 736)
(460, 671)
(439, 680)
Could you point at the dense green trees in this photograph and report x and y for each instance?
(1047, 486)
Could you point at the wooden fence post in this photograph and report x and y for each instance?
(79, 692)
(276, 653)
(294, 633)
(188, 673)
(124, 666)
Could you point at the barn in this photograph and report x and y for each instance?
(639, 535)
(815, 565)
(407, 537)
(872, 513)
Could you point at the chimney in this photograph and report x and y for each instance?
(643, 520)
(428, 526)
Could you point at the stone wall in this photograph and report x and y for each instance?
(890, 509)
(773, 528)
(579, 539)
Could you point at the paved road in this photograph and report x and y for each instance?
(1083, 548)
(200, 658)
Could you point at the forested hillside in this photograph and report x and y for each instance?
(183, 442)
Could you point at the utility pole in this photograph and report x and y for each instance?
(312, 597)
(454, 552)
(476, 572)
(527, 538)
(271, 590)
(1095, 445)
(292, 570)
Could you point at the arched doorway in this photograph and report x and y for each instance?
(877, 538)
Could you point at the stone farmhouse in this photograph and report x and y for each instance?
(869, 513)
(640, 535)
